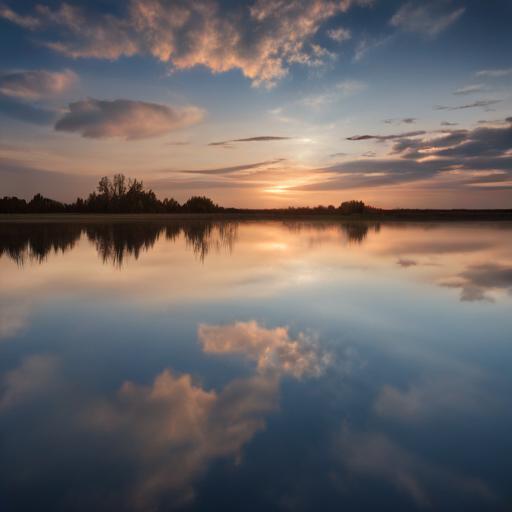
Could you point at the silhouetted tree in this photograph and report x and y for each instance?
(197, 204)
(349, 207)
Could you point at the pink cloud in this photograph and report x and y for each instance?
(37, 85)
(126, 119)
(261, 41)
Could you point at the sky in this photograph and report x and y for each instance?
(265, 103)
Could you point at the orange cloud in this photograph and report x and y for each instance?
(261, 41)
(273, 349)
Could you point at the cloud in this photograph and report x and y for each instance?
(433, 399)
(495, 72)
(478, 158)
(273, 349)
(369, 154)
(177, 143)
(377, 456)
(425, 18)
(37, 85)
(34, 377)
(489, 275)
(343, 89)
(178, 429)
(468, 89)
(167, 434)
(262, 40)
(405, 263)
(201, 185)
(409, 120)
(126, 119)
(234, 169)
(478, 279)
(264, 138)
(446, 123)
(364, 46)
(350, 87)
(339, 34)
(485, 103)
(387, 137)
(334, 155)
(491, 141)
(405, 120)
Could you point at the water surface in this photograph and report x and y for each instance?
(255, 366)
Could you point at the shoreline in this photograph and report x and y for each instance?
(427, 216)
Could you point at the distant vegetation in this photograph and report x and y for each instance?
(122, 195)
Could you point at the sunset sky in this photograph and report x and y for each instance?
(264, 103)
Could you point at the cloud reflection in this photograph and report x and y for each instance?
(373, 454)
(273, 349)
(168, 433)
(479, 278)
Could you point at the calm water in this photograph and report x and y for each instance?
(256, 366)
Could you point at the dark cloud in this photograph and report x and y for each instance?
(199, 185)
(125, 119)
(477, 158)
(263, 138)
(446, 123)
(406, 120)
(334, 155)
(177, 143)
(405, 263)
(369, 154)
(490, 141)
(485, 103)
(36, 85)
(481, 278)
(386, 137)
(234, 169)
(489, 275)
(27, 113)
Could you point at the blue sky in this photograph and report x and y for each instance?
(255, 103)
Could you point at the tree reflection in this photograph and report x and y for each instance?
(114, 242)
(355, 231)
(36, 241)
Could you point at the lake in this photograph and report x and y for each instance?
(255, 365)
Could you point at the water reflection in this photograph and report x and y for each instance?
(305, 366)
(355, 232)
(169, 432)
(36, 241)
(117, 241)
(114, 242)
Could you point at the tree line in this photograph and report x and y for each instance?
(122, 195)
